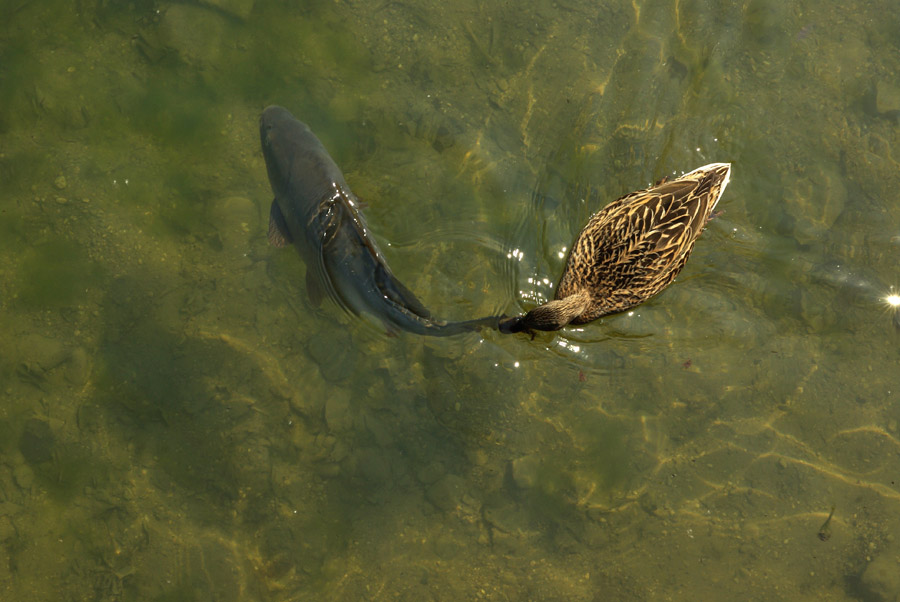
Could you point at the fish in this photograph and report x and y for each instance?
(825, 530)
(315, 211)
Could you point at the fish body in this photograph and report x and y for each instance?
(315, 211)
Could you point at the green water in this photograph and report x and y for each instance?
(180, 423)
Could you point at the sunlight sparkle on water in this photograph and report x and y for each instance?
(575, 348)
(893, 300)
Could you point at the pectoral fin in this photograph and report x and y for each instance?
(278, 231)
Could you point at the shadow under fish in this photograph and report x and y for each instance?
(315, 211)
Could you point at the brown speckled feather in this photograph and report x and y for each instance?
(635, 246)
(630, 250)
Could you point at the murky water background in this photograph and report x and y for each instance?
(178, 422)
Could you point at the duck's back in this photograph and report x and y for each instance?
(635, 246)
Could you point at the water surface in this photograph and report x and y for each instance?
(180, 423)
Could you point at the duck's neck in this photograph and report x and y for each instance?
(555, 314)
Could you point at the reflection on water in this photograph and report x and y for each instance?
(180, 422)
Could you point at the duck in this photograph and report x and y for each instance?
(629, 251)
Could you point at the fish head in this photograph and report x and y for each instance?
(279, 133)
(300, 170)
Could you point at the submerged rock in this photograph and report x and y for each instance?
(816, 201)
(78, 368)
(887, 97)
(43, 352)
(236, 8)
(338, 416)
(197, 33)
(446, 493)
(334, 354)
(525, 471)
(236, 220)
(37, 441)
(881, 579)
